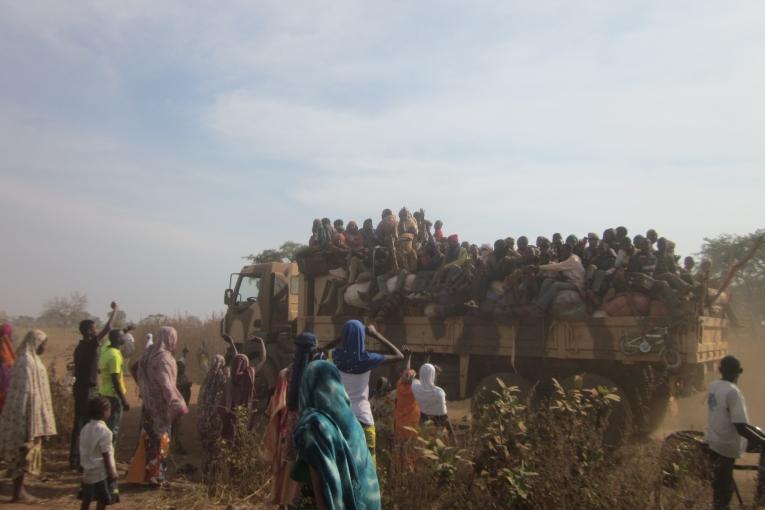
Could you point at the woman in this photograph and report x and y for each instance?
(7, 359)
(432, 400)
(355, 364)
(283, 413)
(331, 446)
(242, 387)
(212, 405)
(162, 404)
(406, 416)
(27, 416)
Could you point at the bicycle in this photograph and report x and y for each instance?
(685, 474)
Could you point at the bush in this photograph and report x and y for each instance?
(63, 406)
(238, 470)
(518, 456)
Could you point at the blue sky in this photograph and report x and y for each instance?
(147, 146)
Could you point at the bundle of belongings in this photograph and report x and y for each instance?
(406, 265)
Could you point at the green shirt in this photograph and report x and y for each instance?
(110, 362)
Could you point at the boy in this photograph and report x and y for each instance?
(112, 382)
(99, 472)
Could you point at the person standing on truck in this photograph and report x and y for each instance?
(728, 430)
(355, 364)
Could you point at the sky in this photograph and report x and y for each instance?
(145, 147)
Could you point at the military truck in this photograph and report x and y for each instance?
(647, 359)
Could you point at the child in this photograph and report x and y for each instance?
(99, 472)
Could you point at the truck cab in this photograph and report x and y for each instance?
(262, 300)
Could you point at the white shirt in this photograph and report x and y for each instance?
(95, 440)
(431, 399)
(726, 407)
(357, 386)
(571, 269)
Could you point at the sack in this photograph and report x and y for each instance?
(568, 305)
(626, 305)
(352, 297)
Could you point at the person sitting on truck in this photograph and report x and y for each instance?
(338, 238)
(369, 234)
(432, 400)
(354, 239)
(652, 238)
(666, 266)
(728, 430)
(571, 273)
(355, 364)
(438, 233)
(407, 224)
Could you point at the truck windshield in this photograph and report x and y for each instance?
(249, 289)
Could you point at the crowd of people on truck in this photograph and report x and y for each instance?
(407, 261)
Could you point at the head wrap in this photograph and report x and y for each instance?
(352, 357)
(453, 239)
(156, 377)
(305, 352)
(28, 408)
(242, 381)
(330, 440)
(431, 398)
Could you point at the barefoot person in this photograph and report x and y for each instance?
(27, 416)
(331, 445)
(162, 402)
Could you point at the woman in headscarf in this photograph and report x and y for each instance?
(432, 400)
(355, 364)
(242, 387)
(162, 404)
(331, 446)
(283, 413)
(27, 416)
(7, 359)
(212, 408)
(406, 416)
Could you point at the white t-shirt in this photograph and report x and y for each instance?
(95, 440)
(357, 386)
(726, 407)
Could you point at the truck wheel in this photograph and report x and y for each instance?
(619, 426)
(484, 392)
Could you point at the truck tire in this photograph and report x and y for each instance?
(483, 394)
(619, 427)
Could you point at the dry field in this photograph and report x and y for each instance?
(59, 484)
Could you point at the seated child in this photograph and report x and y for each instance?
(99, 472)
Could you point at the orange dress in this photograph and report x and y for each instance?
(406, 418)
(7, 360)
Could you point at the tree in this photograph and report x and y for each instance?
(748, 284)
(65, 311)
(285, 253)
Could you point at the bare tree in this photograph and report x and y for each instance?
(65, 311)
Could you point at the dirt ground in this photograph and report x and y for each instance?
(59, 484)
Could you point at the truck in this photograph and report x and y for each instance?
(647, 360)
